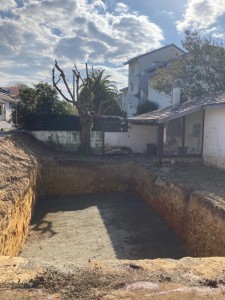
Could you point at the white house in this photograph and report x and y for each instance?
(7, 103)
(124, 99)
(141, 70)
(194, 129)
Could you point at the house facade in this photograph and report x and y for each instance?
(12, 91)
(194, 129)
(7, 104)
(141, 70)
(124, 99)
(214, 136)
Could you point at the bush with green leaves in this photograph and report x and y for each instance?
(199, 71)
(146, 107)
(42, 99)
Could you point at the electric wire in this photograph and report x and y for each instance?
(42, 35)
(31, 65)
(27, 60)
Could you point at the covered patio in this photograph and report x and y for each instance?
(180, 129)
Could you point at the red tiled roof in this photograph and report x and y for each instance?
(14, 91)
(6, 98)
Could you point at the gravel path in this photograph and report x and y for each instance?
(99, 226)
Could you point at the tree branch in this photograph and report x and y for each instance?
(62, 75)
(77, 73)
(57, 88)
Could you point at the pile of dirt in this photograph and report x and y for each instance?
(144, 279)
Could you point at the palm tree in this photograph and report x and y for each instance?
(96, 96)
(103, 93)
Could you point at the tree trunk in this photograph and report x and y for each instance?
(86, 122)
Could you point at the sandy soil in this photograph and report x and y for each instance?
(184, 279)
(15, 155)
(100, 226)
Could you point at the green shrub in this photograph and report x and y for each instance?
(146, 107)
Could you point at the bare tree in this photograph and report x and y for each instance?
(83, 107)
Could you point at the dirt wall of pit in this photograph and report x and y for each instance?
(73, 177)
(197, 217)
(19, 171)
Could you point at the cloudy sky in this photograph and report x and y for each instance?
(104, 33)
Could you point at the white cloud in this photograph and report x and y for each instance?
(98, 4)
(121, 7)
(73, 31)
(201, 14)
(219, 36)
(118, 74)
(7, 4)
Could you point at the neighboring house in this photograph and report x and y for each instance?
(192, 129)
(7, 103)
(3, 91)
(141, 70)
(123, 99)
(9, 96)
(12, 91)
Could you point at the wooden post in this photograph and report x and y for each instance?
(183, 136)
(103, 142)
(203, 129)
(160, 134)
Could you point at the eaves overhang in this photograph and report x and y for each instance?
(144, 122)
(214, 106)
(180, 114)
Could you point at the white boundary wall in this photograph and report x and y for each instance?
(136, 138)
(214, 138)
(67, 140)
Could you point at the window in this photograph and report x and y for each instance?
(0, 110)
(196, 130)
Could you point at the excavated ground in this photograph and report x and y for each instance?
(99, 226)
(187, 278)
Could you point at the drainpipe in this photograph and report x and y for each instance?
(176, 94)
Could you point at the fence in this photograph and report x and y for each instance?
(47, 122)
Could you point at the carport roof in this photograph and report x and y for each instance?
(213, 100)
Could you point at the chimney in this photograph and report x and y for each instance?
(176, 94)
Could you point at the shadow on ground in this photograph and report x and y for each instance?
(102, 226)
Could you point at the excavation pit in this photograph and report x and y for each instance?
(99, 226)
(194, 208)
(189, 198)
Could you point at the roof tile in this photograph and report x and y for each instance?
(163, 114)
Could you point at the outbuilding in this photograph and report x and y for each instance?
(194, 129)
